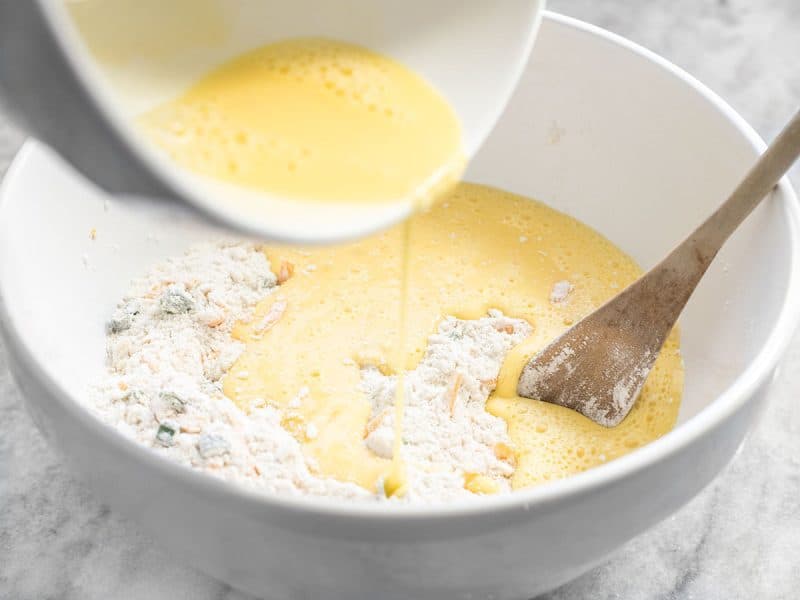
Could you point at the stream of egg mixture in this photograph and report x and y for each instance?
(331, 122)
(480, 248)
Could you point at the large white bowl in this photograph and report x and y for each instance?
(600, 128)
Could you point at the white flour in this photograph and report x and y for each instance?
(169, 345)
(561, 290)
(446, 429)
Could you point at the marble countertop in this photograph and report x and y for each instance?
(740, 538)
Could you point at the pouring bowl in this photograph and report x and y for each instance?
(78, 72)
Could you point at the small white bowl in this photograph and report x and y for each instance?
(472, 51)
(600, 128)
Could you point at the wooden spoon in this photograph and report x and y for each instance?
(599, 365)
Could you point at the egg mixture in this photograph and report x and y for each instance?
(316, 120)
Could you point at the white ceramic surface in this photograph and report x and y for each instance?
(579, 134)
(452, 43)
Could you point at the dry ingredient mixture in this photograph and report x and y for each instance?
(170, 345)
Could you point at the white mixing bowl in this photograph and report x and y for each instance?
(599, 128)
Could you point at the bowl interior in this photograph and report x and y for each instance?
(150, 51)
(596, 130)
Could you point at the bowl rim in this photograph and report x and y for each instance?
(727, 402)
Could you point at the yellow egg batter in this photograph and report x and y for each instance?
(480, 248)
(317, 120)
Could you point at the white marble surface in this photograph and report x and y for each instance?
(740, 538)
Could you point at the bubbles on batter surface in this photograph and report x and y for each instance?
(348, 72)
(200, 137)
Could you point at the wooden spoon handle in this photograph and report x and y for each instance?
(708, 238)
(680, 272)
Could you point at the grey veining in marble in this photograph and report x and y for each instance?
(740, 538)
